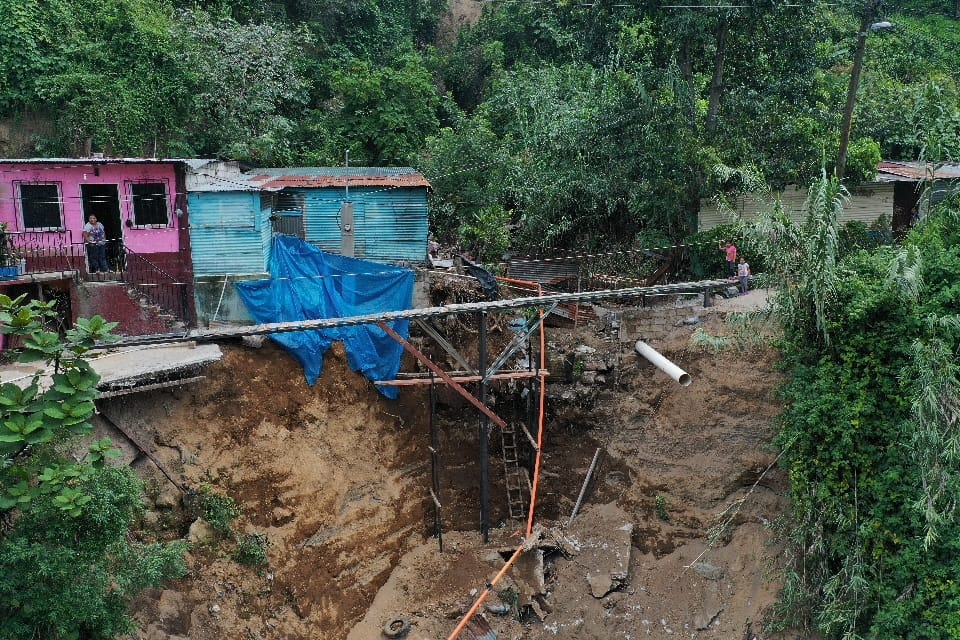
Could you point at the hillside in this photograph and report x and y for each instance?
(336, 479)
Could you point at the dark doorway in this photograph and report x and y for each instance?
(103, 201)
(906, 195)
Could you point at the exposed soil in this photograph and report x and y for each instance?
(337, 479)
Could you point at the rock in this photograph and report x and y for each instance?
(544, 605)
(600, 584)
(201, 532)
(254, 342)
(537, 611)
(168, 498)
(604, 542)
(151, 519)
(584, 350)
(498, 609)
(710, 609)
(707, 570)
(588, 377)
(691, 320)
(214, 609)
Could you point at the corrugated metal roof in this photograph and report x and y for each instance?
(477, 629)
(889, 171)
(318, 177)
(104, 160)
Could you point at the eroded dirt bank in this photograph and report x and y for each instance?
(337, 478)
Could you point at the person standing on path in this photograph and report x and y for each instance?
(743, 272)
(95, 236)
(730, 255)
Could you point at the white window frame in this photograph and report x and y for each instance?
(39, 183)
(133, 212)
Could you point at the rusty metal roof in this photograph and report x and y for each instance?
(317, 177)
(890, 171)
(477, 629)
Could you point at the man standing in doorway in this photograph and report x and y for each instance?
(95, 236)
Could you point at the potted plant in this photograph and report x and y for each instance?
(9, 256)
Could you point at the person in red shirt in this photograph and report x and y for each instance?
(730, 255)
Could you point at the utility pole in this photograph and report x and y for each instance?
(869, 10)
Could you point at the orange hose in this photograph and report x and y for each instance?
(483, 595)
(536, 472)
(543, 394)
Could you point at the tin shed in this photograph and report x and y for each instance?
(375, 213)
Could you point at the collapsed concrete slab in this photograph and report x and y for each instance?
(133, 369)
(602, 535)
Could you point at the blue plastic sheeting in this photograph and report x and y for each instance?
(309, 284)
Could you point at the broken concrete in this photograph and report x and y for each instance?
(129, 368)
(603, 535)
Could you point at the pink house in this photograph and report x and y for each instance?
(44, 203)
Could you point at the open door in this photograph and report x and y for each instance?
(103, 201)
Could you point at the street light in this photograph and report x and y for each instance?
(866, 26)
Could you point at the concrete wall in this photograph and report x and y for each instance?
(654, 323)
(211, 293)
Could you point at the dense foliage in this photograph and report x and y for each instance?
(870, 339)
(587, 122)
(68, 563)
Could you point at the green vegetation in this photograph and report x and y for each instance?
(252, 550)
(68, 562)
(217, 510)
(869, 431)
(660, 507)
(544, 126)
(584, 124)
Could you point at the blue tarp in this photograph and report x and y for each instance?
(309, 284)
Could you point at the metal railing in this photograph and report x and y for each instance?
(36, 252)
(172, 294)
(41, 251)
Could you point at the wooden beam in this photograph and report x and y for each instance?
(412, 382)
(412, 350)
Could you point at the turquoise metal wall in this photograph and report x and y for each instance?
(229, 233)
(391, 224)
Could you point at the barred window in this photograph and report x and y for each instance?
(40, 206)
(150, 204)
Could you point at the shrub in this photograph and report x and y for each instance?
(252, 550)
(65, 576)
(217, 509)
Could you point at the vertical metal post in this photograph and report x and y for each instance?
(484, 436)
(706, 298)
(435, 462)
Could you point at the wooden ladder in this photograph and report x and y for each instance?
(515, 477)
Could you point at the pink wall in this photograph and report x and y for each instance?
(70, 174)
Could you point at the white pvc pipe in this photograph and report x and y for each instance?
(663, 364)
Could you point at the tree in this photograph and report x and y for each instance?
(245, 78)
(68, 564)
(383, 114)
